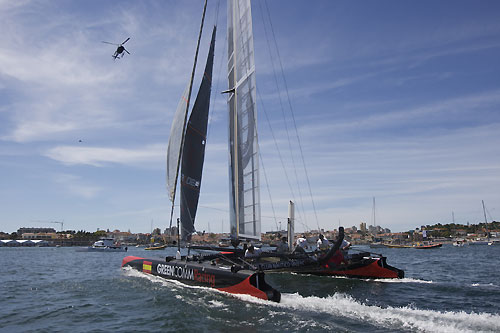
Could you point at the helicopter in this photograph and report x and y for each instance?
(119, 50)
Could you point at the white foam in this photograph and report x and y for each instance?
(486, 285)
(343, 305)
(217, 304)
(405, 280)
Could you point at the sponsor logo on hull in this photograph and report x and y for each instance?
(185, 273)
(283, 264)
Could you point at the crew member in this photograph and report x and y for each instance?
(301, 244)
(252, 252)
(282, 245)
(344, 248)
(322, 243)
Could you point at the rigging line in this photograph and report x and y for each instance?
(227, 211)
(279, 154)
(209, 207)
(271, 201)
(268, 190)
(277, 148)
(271, 217)
(293, 118)
(283, 112)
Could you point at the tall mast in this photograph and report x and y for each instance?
(485, 221)
(243, 147)
(374, 221)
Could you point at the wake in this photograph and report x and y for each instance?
(341, 305)
(406, 318)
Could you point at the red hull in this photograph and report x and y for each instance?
(372, 270)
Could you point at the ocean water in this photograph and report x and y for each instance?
(60, 290)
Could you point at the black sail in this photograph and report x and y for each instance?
(193, 151)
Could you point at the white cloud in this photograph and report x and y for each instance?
(98, 156)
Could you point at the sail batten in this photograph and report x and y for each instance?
(244, 164)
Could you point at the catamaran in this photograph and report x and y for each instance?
(185, 154)
(228, 270)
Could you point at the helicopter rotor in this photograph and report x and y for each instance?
(111, 43)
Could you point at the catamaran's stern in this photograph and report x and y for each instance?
(373, 268)
(256, 286)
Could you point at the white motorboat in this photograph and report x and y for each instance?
(105, 245)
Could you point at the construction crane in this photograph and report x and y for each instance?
(59, 222)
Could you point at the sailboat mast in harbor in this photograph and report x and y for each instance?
(243, 148)
(486, 223)
(374, 217)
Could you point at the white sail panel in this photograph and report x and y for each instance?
(174, 143)
(244, 162)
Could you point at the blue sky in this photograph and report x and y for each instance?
(395, 100)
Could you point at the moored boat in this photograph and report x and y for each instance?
(478, 242)
(155, 247)
(377, 245)
(398, 246)
(104, 245)
(428, 246)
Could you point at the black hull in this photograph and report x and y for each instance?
(373, 268)
(368, 268)
(205, 274)
(360, 265)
